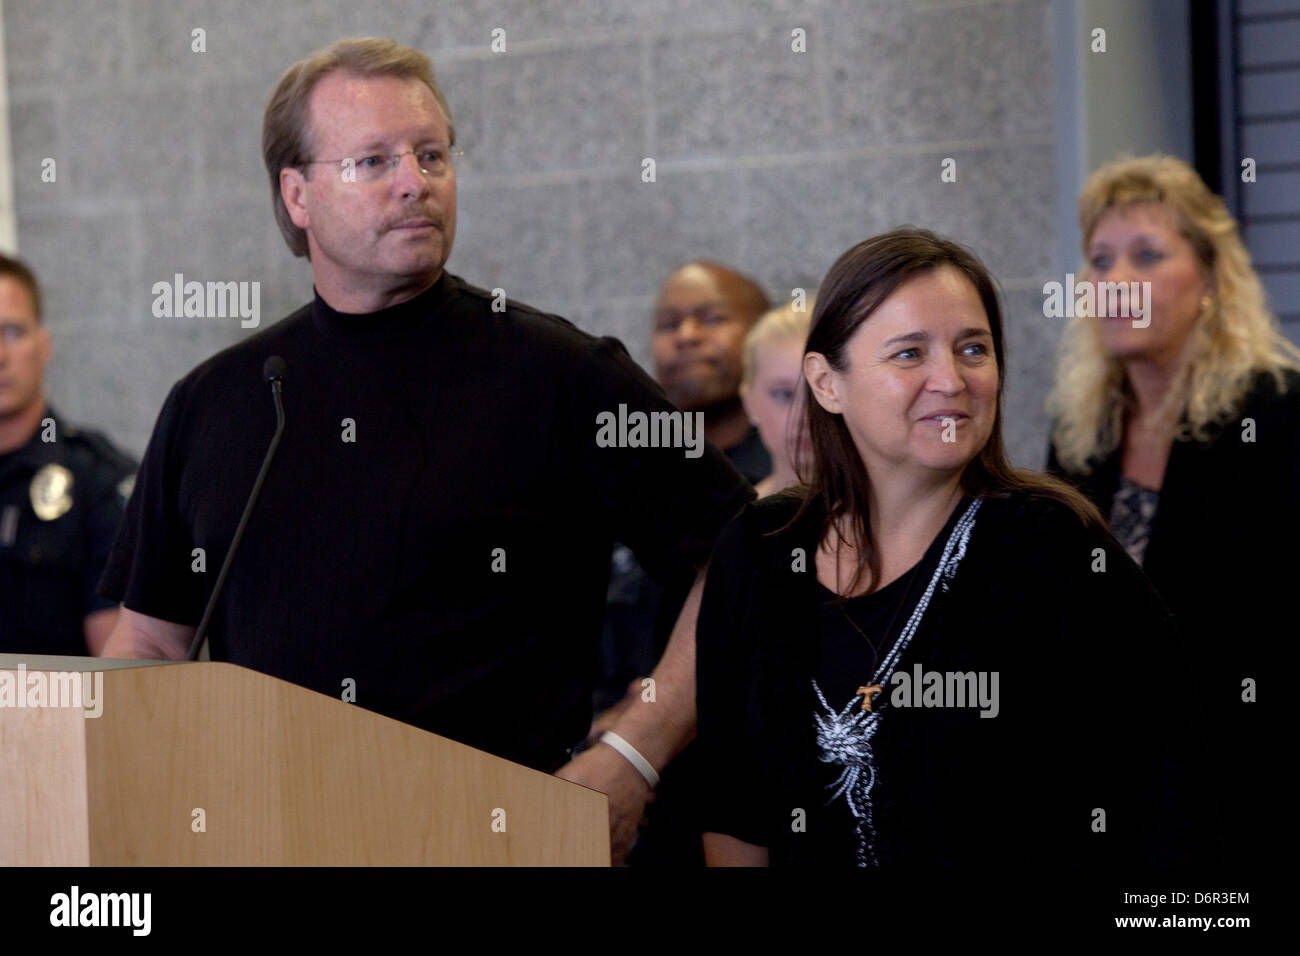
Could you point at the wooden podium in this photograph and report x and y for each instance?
(194, 764)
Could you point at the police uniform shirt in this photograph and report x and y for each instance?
(432, 541)
(62, 497)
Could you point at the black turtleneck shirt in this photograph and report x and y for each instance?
(436, 527)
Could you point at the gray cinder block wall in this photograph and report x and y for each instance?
(768, 158)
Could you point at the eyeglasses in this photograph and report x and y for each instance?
(434, 161)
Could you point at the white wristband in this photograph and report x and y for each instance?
(632, 755)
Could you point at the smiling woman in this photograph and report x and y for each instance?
(931, 555)
(900, 405)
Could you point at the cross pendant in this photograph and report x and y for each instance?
(868, 693)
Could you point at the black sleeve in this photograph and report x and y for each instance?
(667, 507)
(103, 521)
(1116, 686)
(1278, 435)
(149, 569)
(725, 662)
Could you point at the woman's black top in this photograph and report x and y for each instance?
(1084, 705)
(853, 639)
(1224, 553)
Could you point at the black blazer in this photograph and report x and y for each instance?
(1083, 698)
(1224, 553)
(1225, 536)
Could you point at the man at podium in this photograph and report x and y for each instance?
(432, 537)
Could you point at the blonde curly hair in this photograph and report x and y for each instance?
(1233, 340)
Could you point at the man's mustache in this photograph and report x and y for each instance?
(437, 220)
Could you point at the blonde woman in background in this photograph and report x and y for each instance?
(770, 388)
(1186, 435)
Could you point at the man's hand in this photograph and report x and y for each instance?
(138, 635)
(658, 722)
(605, 769)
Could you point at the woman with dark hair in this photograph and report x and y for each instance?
(922, 655)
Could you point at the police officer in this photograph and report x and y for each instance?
(62, 494)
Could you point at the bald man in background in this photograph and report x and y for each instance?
(703, 313)
(701, 317)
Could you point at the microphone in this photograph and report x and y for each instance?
(273, 370)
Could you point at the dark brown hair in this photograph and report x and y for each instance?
(836, 479)
(19, 270)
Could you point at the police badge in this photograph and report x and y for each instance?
(51, 492)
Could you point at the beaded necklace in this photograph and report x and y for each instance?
(844, 738)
